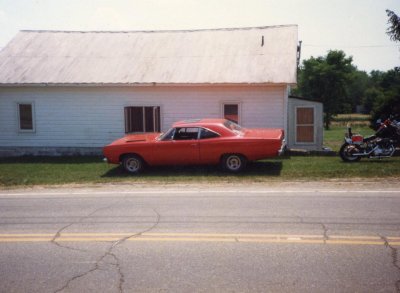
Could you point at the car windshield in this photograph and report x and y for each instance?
(236, 128)
(167, 135)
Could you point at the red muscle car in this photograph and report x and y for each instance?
(202, 141)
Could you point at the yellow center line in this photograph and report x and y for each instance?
(200, 237)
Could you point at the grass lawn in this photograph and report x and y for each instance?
(33, 171)
(28, 171)
(334, 137)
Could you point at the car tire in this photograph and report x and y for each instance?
(233, 163)
(132, 164)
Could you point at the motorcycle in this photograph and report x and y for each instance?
(380, 145)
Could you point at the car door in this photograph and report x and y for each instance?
(182, 148)
(211, 147)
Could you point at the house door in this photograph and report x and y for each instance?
(305, 127)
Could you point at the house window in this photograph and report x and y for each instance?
(26, 117)
(305, 125)
(231, 112)
(142, 119)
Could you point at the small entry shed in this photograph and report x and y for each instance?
(305, 124)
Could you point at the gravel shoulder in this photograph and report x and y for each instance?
(339, 185)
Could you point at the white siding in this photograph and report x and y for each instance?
(94, 116)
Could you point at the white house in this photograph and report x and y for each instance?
(69, 92)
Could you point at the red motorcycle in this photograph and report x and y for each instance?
(380, 145)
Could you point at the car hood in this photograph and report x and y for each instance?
(132, 138)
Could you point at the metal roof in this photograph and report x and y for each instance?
(260, 55)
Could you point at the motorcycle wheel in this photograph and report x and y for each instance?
(346, 154)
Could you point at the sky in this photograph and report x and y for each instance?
(358, 27)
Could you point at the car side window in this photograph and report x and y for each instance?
(186, 133)
(206, 133)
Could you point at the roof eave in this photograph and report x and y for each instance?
(151, 84)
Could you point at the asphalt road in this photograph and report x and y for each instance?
(284, 237)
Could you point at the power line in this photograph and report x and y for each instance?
(352, 47)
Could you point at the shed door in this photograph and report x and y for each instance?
(305, 125)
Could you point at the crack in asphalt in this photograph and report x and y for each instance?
(395, 259)
(109, 253)
(58, 233)
(324, 228)
(122, 240)
(325, 232)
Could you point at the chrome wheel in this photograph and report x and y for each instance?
(346, 153)
(234, 163)
(132, 164)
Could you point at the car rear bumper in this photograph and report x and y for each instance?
(282, 150)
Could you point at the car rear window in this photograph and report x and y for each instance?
(206, 133)
(236, 128)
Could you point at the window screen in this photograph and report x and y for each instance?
(25, 112)
(142, 119)
(231, 112)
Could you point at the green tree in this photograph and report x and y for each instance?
(388, 103)
(376, 77)
(326, 79)
(389, 82)
(394, 29)
(356, 89)
(372, 98)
